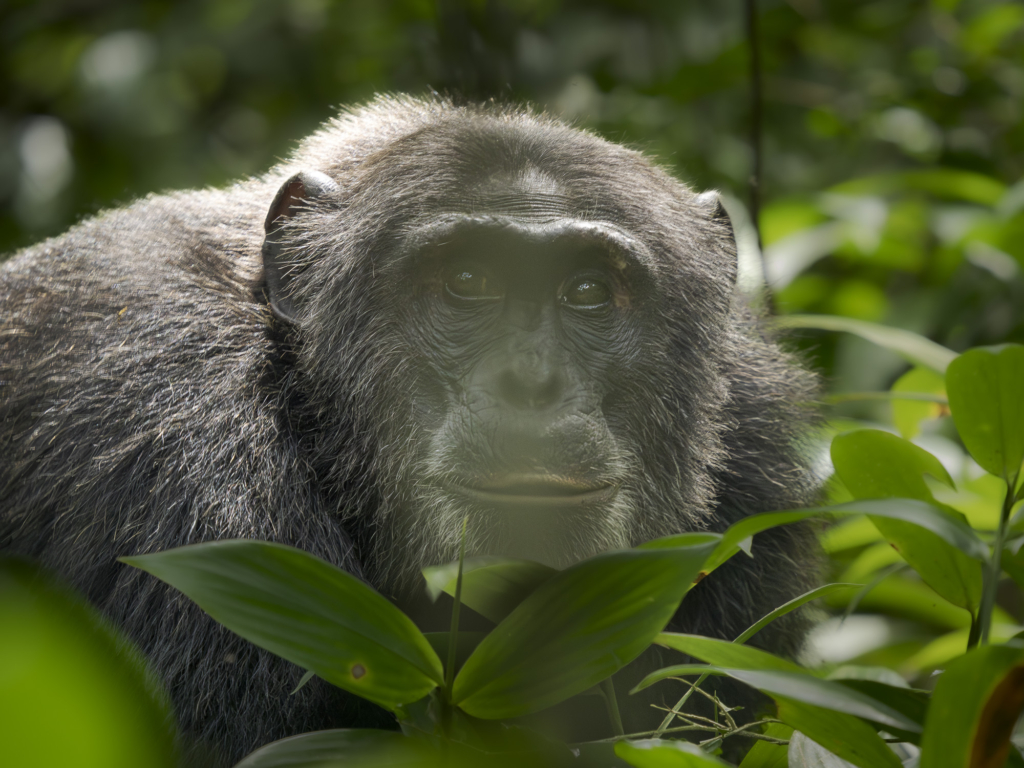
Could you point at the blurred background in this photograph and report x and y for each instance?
(891, 130)
(893, 152)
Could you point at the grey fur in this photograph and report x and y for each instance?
(149, 398)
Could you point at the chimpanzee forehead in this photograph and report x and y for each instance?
(619, 246)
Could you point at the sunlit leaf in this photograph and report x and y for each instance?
(579, 627)
(874, 464)
(72, 691)
(984, 387)
(907, 415)
(307, 611)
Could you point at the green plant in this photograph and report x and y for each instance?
(560, 633)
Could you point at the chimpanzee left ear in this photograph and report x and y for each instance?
(711, 203)
(295, 193)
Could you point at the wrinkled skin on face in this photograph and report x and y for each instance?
(429, 313)
(534, 320)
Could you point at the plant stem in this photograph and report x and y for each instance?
(449, 672)
(613, 707)
(995, 565)
(453, 639)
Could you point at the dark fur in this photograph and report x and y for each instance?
(149, 399)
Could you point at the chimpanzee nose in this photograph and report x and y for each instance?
(531, 379)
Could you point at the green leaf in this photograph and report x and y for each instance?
(877, 465)
(723, 653)
(911, 703)
(73, 691)
(306, 677)
(952, 530)
(907, 415)
(827, 712)
(874, 464)
(843, 735)
(790, 606)
(307, 611)
(688, 539)
(492, 586)
(765, 754)
(465, 644)
(578, 628)
(806, 753)
(974, 708)
(917, 349)
(911, 599)
(984, 387)
(794, 682)
(363, 748)
(663, 753)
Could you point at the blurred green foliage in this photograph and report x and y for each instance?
(73, 691)
(892, 129)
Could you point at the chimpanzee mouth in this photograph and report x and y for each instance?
(538, 490)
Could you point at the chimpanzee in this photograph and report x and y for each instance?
(429, 311)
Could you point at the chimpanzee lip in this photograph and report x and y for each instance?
(545, 490)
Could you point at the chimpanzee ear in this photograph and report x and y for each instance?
(711, 203)
(295, 193)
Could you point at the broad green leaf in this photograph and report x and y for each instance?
(984, 387)
(917, 349)
(579, 627)
(841, 734)
(358, 748)
(874, 464)
(764, 754)
(491, 586)
(909, 702)
(878, 465)
(952, 530)
(663, 753)
(723, 653)
(73, 692)
(827, 712)
(307, 611)
(805, 753)
(907, 415)
(804, 687)
(974, 708)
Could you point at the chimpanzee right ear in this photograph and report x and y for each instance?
(291, 197)
(711, 203)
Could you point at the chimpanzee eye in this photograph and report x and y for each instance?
(471, 282)
(586, 292)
